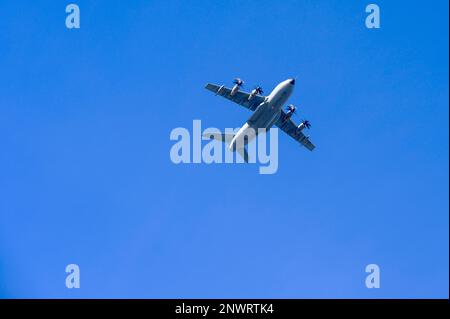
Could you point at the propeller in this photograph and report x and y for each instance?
(291, 108)
(259, 90)
(238, 82)
(307, 124)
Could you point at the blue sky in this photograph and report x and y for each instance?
(86, 176)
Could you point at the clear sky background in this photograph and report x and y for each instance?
(86, 176)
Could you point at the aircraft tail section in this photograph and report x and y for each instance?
(227, 138)
(222, 137)
(244, 154)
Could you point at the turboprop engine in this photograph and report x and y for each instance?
(304, 124)
(237, 85)
(256, 90)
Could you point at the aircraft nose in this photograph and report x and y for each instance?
(292, 81)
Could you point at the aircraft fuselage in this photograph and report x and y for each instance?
(265, 115)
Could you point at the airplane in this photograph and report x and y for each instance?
(267, 111)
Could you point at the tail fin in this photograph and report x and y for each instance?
(244, 154)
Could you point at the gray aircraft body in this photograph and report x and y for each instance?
(267, 111)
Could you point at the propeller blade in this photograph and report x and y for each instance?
(291, 109)
(238, 81)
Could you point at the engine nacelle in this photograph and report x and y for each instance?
(301, 127)
(255, 91)
(237, 84)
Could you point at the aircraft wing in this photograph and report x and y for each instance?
(240, 97)
(289, 127)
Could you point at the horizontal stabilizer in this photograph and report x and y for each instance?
(227, 138)
(222, 137)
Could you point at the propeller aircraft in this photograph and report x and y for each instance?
(267, 111)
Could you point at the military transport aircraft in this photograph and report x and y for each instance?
(267, 111)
